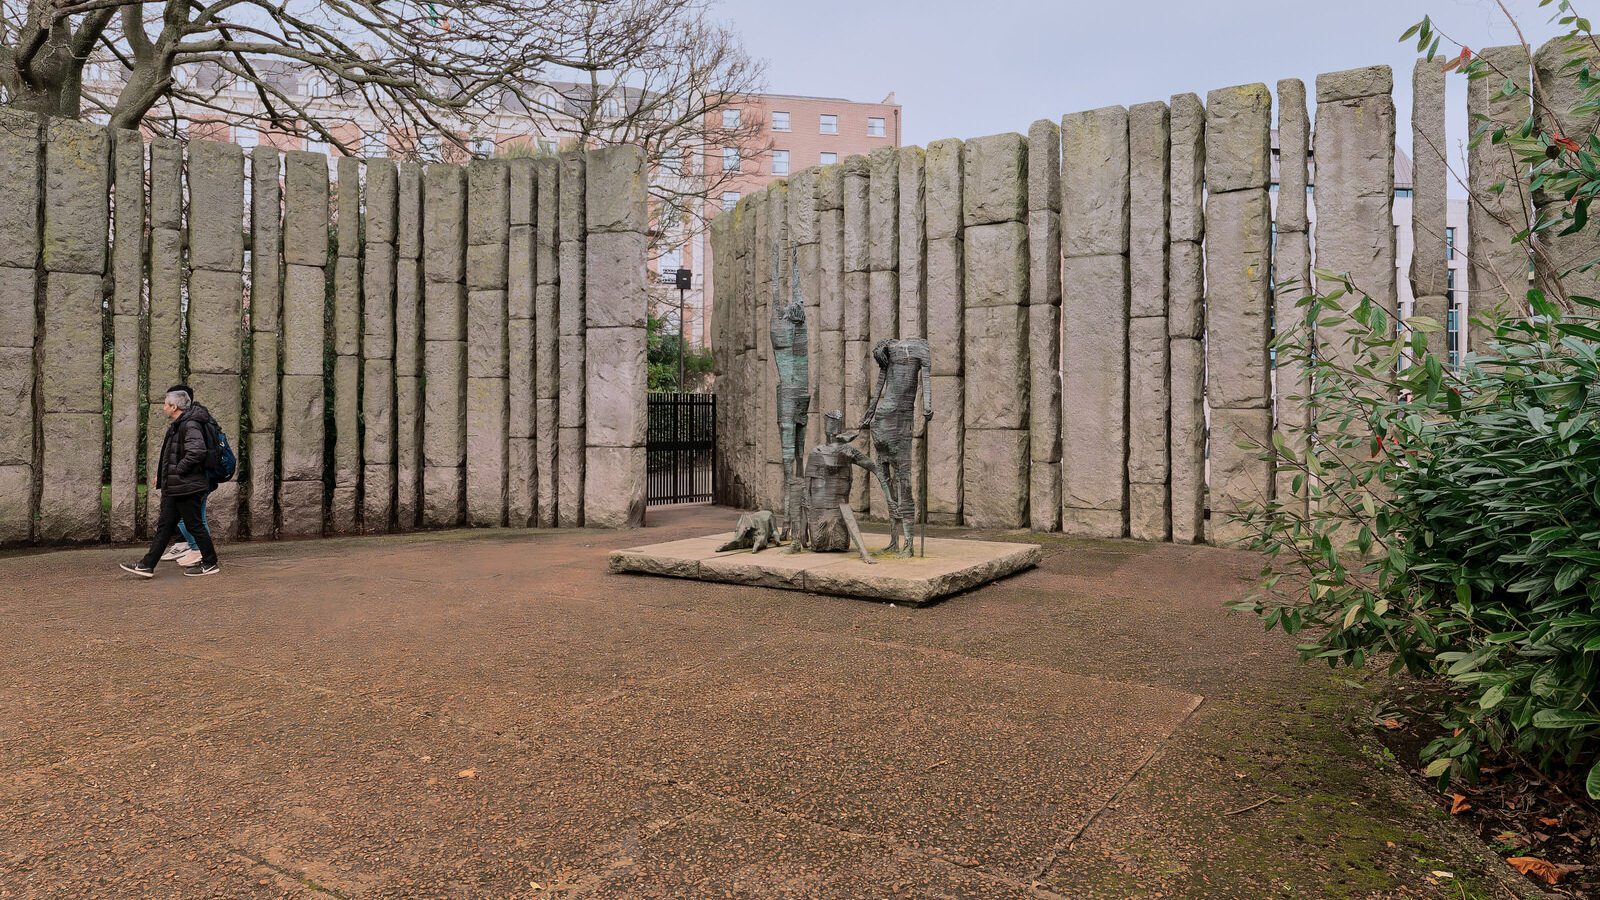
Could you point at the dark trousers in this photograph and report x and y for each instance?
(187, 509)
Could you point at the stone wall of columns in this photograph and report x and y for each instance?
(1101, 294)
(395, 347)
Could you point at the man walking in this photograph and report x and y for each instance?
(182, 479)
(186, 551)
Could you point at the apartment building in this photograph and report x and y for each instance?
(796, 132)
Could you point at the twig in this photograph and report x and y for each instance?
(1245, 809)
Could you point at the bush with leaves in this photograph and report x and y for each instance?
(1447, 520)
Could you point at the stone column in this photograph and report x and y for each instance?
(883, 244)
(305, 256)
(768, 210)
(163, 351)
(1291, 272)
(1044, 326)
(488, 388)
(995, 331)
(444, 353)
(1149, 362)
(946, 311)
(345, 507)
(722, 387)
(570, 228)
(521, 336)
(21, 151)
(615, 376)
(1094, 346)
(828, 359)
(1557, 113)
(408, 300)
(859, 372)
(1497, 266)
(803, 233)
(913, 242)
(547, 333)
(127, 309)
(266, 328)
(378, 348)
(1430, 204)
(1238, 300)
(77, 177)
(1185, 318)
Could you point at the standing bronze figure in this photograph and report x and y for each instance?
(903, 366)
(790, 351)
(827, 523)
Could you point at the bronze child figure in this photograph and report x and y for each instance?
(904, 366)
(827, 524)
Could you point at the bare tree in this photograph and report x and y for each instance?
(416, 72)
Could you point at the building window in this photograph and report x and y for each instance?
(1402, 193)
(549, 101)
(374, 146)
(874, 126)
(730, 118)
(730, 159)
(1450, 244)
(729, 198)
(828, 124)
(672, 160)
(429, 146)
(246, 137)
(671, 261)
(313, 145)
(780, 121)
(546, 145)
(827, 158)
(780, 162)
(483, 147)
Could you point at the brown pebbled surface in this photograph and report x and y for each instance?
(298, 728)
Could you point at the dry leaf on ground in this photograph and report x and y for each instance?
(1542, 869)
(467, 773)
(1458, 804)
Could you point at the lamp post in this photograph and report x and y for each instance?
(685, 278)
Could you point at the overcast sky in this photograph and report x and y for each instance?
(965, 68)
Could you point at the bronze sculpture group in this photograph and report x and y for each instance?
(816, 511)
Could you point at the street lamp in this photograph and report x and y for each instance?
(685, 280)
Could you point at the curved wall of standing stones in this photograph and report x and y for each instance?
(1099, 294)
(401, 346)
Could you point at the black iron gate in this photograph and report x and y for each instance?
(681, 448)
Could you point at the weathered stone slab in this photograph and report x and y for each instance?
(830, 188)
(1496, 263)
(346, 443)
(616, 198)
(20, 161)
(305, 217)
(488, 205)
(377, 499)
(445, 311)
(1561, 110)
(616, 291)
(1044, 257)
(884, 304)
(857, 306)
(16, 503)
(408, 317)
(546, 335)
(304, 294)
(16, 406)
(1094, 385)
(573, 290)
(946, 306)
(347, 206)
(1352, 84)
(216, 321)
(912, 243)
(1186, 289)
(995, 266)
(944, 451)
(1430, 263)
(300, 508)
(943, 195)
(166, 183)
(408, 451)
(1094, 182)
(1044, 389)
(547, 235)
(377, 413)
(1238, 476)
(994, 174)
(383, 191)
(77, 181)
(524, 191)
(261, 511)
(614, 379)
(1238, 297)
(569, 478)
(883, 246)
(487, 266)
(949, 567)
(830, 304)
(486, 334)
(377, 306)
(570, 210)
(1148, 201)
(408, 212)
(1149, 397)
(346, 306)
(69, 376)
(571, 392)
(1044, 166)
(520, 278)
(17, 306)
(444, 438)
(444, 210)
(486, 452)
(303, 398)
(995, 477)
(127, 253)
(69, 496)
(442, 498)
(521, 470)
(1147, 512)
(520, 377)
(857, 214)
(546, 448)
(996, 346)
(1237, 138)
(1188, 147)
(613, 490)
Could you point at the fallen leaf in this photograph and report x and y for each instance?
(1542, 869)
(433, 781)
(467, 773)
(1440, 873)
(1546, 820)
(1458, 804)
(1393, 724)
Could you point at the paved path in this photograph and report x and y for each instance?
(491, 714)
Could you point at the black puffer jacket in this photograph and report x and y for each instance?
(183, 454)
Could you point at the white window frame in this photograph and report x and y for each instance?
(246, 137)
(827, 157)
(375, 145)
(731, 118)
(780, 124)
(877, 126)
(827, 123)
(780, 158)
(430, 148)
(483, 146)
(730, 159)
(729, 199)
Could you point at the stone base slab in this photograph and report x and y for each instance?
(950, 567)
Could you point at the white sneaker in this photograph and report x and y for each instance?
(189, 558)
(178, 549)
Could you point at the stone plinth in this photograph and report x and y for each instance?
(950, 567)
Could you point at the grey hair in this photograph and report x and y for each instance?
(178, 399)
